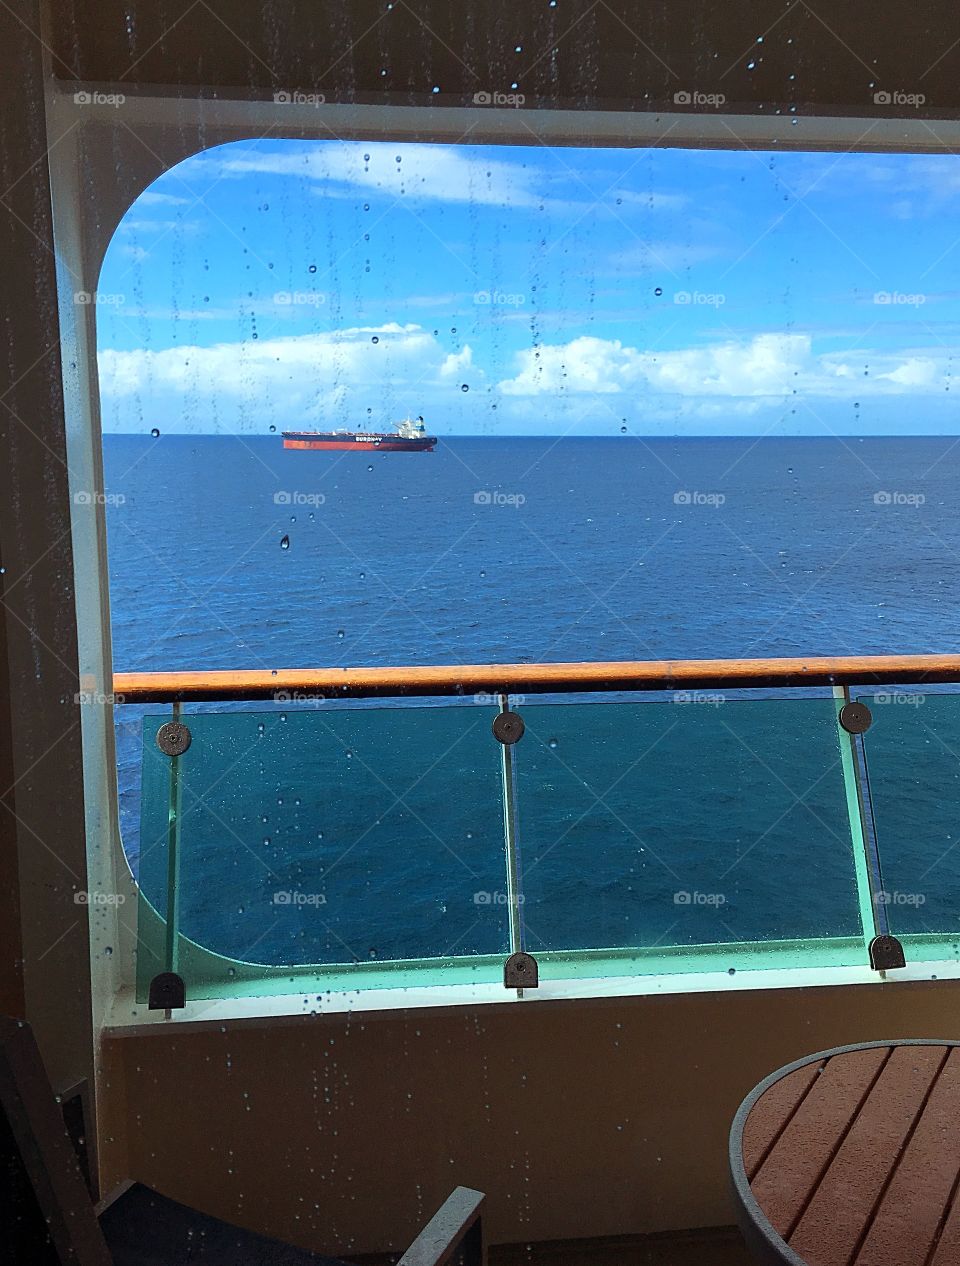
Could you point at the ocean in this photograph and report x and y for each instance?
(642, 822)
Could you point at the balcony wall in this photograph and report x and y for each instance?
(579, 1119)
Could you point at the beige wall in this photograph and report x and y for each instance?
(578, 1119)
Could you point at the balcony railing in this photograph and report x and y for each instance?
(507, 823)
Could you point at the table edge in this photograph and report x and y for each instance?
(762, 1238)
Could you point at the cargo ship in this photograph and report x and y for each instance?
(409, 437)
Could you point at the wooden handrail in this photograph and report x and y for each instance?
(472, 679)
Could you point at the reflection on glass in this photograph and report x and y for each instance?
(659, 824)
(332, 837)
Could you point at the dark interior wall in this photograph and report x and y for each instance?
(45, 968)
(573, 1124)
(759, 54)
(11, 962)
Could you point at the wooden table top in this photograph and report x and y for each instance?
(852, 1158)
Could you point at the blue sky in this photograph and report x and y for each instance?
(530, 290)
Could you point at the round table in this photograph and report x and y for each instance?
(852, 1158)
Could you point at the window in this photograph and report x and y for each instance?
(686, 405)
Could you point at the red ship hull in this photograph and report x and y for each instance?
(359, 442)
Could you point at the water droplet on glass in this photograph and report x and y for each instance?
(312, 268)
(155, 432)
(658, 291)
(464, 387)
(552, 743)
(340, 633)
(284, 542)
(273, 428)
(375, 339)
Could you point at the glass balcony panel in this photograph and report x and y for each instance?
(328, 836)
(718, 823)
(913, 765)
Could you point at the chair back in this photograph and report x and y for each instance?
(46, 1215)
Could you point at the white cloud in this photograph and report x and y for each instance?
(457, 364)
(671, 255)
(141, 225)
(151, 199)
(766, 366)
(442, 173)
(310, 363)
(436, 172)
(651, 201)
(916, 372)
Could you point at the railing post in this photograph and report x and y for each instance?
(873, 913)
(173, 739)
(514, 898)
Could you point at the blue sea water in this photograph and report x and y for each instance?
(406, 562)
(229, 552)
